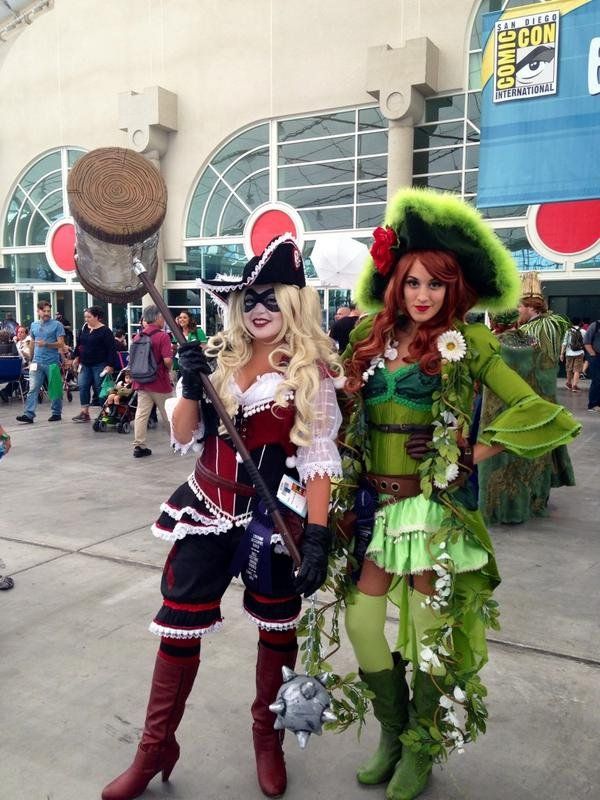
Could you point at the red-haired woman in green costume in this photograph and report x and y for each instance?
(411, 367)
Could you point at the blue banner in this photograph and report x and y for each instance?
(540, 115)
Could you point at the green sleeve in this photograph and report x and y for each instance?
(530, 426)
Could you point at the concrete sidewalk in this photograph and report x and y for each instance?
(76, 657)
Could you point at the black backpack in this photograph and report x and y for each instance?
(142, 363)
(575, 339)
(595, 338)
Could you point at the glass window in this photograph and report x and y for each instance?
(438, 109)
(7, 270)
(199, 199)
(313, 174)
(31, 268)
(372, 167)
(327, 219)
(255, 161)
(370, 216)
(205, 261)
(526, 257)
(46, 164)
(317, 150)
(371, 192)
(248, 140)
(321, 196)
(372, 143)
(254, 190)
(451, 182)
(445, 160)
(590, 263)
(307, 127)
(371, 118)
(234, 218)
(444, 133)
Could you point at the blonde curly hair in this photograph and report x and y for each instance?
(301, 348)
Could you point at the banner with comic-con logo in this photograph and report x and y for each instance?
(540, 111)
(525, 56)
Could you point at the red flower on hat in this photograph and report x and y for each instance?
(384, 250)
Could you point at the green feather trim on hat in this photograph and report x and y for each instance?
(423, 219)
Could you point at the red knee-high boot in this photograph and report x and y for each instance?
(158, 750)
(272, 656)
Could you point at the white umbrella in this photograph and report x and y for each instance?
(338, 260)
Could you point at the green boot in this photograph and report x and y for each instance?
(390, 706)
(412, 773)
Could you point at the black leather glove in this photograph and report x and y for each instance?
(192, 362)
(417, 445)
(315, 553)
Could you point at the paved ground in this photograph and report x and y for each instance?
(76, 658)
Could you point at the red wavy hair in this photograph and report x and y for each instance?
(460, 297)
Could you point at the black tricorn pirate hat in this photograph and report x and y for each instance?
(280, 262)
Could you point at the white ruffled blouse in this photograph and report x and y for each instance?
(320, 457)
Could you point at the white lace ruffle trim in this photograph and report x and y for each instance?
(175, 633)
(320, 469)
(271, 626)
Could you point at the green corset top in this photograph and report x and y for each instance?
(406, 385)
(401, 396)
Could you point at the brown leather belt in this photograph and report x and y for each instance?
(223, 483)
(398, 486)
(404, 428)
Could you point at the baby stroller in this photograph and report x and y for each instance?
(119, 414)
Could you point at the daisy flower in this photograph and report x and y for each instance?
(452, 345)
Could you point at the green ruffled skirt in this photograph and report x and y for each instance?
(401, 539)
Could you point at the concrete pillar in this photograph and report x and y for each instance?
(149, 117)
(400, 79)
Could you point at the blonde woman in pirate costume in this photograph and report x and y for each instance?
(411, 367)
(274, 372)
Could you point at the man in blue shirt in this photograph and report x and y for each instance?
(48, 336)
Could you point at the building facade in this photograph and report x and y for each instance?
(313, 110)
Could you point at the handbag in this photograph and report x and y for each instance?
(107, 387)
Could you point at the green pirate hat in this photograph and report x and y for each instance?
(423, 219)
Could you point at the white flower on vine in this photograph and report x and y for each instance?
(440, 485)
(452, 345)
(452, 472)
(429, 656)
(446, 702)
(391, 351)
(459, 695)
(452, 718)
(450, 419)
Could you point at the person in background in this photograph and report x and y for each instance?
(591, 343)
(6, 582)
(95, 357)
(190, 328)
(343, 326)
(23, 344)
(8, 348)
(572, 352)
(157, 391)
(192, 332)
(9, 324)
(121, 340)
(67, 325)
(513, 489)
(48, 337)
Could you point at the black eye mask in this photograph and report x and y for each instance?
(266, 298)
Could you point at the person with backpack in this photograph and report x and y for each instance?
(572, 353)
(150, 359)
(591, 343)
